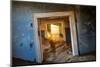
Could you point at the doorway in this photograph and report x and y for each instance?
(54, 38)
(53, 30)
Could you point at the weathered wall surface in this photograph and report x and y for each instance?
(86, 25)
(23, 31)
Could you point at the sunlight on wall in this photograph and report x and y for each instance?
(54, 29)
(54, 33)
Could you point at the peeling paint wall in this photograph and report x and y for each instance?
(23, 31)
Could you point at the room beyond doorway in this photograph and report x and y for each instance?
(55, 39)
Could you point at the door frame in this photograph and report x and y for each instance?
(39, 53)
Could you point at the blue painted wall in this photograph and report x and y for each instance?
(22, 27)
(23, 31)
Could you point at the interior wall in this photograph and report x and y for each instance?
(86, 26)
(53, 21)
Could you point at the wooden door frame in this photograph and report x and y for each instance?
(39, 55)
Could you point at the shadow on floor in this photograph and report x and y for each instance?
(20, 62)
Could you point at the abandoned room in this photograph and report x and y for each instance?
(51, 33)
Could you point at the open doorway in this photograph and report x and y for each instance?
(53, 29)
(55, 39)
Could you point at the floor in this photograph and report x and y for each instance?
(69, 59)
(62, 54)
(83, 58)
